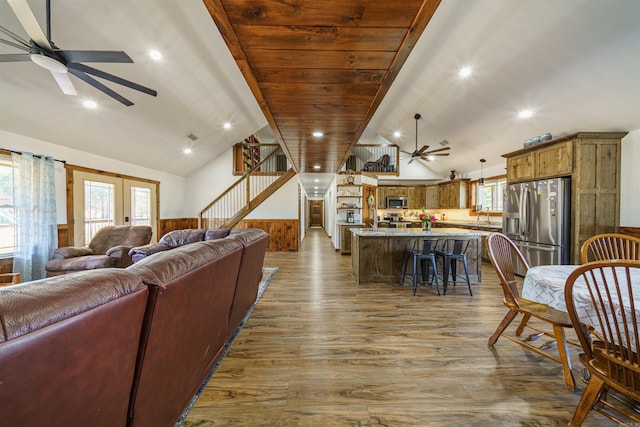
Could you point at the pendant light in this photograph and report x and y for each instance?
(479, 186)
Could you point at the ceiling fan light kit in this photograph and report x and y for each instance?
(422, 153)
(44, 53)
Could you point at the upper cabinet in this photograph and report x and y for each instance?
(592, 160)
(415, 195)
(432, 200)
(542, 161)
(453, 194)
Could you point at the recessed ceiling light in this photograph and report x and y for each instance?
(155, 55)
(316, 180)
(227, 125)
(90, 104)
(431, 158)
(316, 166)
(525, 114)
(317, 134)
(465, 72)
(397, 134)
(187, 151)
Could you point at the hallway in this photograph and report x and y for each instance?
(320, 351)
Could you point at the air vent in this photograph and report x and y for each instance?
(192, 137)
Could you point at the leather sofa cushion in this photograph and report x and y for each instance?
(88, 262)
(35, 305)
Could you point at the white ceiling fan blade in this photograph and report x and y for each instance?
(65, 83)
(29, 22)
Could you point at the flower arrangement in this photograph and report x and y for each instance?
(427, 219)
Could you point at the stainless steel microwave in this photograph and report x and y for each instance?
(396, 202)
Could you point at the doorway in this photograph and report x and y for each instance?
(316, 217)
(100, 199)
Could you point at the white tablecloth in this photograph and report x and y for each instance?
(546, 284)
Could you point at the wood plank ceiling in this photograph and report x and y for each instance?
(320, 65)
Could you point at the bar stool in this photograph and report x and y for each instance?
(450, 258)
(420, 257)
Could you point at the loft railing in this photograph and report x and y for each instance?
(255, 185)
(364, 155)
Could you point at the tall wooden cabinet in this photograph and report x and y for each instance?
(453, 194)
(592, 160)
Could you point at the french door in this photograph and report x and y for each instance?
(101, 200)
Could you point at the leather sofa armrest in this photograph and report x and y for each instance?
(72, 252)
(149, 249)
(118, 251)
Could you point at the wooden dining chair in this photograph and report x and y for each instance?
(609, 332)
(610, 246)
(503, 254)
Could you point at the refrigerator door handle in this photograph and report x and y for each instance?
(528, 212)
(521, 219)
(544, 248)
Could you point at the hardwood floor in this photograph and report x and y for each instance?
(320, 351)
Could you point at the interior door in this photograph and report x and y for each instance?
(315, 207)
(103, 200)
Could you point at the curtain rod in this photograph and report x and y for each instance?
(35, 155)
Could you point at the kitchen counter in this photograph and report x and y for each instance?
(377, 255)
(482, 225)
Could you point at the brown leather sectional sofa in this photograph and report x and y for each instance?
(124, 347)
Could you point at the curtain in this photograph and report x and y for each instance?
(35, 214)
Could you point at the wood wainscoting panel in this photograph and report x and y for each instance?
(631, 231)
(63, 235)
(284, 233)
(170, 224)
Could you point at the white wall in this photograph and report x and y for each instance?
(207, 183)
(630, 180)
(172, 187)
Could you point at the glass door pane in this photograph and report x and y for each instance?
(97, 203)
(140, 204)
(99, 207)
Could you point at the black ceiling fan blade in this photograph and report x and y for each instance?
(406, 152)
(422, 150)
(29, 23)
(20, 40)
(15, 57)
(93, 82)
(115, 79)
(116, 56)
(439, 150)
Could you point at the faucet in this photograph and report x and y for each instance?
(374, 214)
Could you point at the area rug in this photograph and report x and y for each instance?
(267, 275)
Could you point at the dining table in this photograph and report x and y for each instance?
(546, 283)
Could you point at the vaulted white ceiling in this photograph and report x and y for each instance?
(575, 63)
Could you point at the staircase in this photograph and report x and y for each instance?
(259, 181)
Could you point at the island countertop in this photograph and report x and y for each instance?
(377, 255)
(418, 232)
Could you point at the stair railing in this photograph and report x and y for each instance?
(242, 196)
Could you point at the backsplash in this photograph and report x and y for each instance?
(449, 214)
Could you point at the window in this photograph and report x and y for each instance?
(7, 220)
(489, 196)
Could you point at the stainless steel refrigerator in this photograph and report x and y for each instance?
(536, 216)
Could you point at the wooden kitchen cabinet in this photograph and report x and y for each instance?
(345, 238)
(416, 197)
(432, 200)
(382, 197)
(453, 194)
(592, 160)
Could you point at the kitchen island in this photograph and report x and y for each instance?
(377, 255)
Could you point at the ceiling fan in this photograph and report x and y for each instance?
(422, 153)
(42, 51)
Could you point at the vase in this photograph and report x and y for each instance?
(426, 225)
(453, 175)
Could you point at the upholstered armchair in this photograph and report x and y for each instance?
(109, 248)
(176, 238)
(379, 165)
